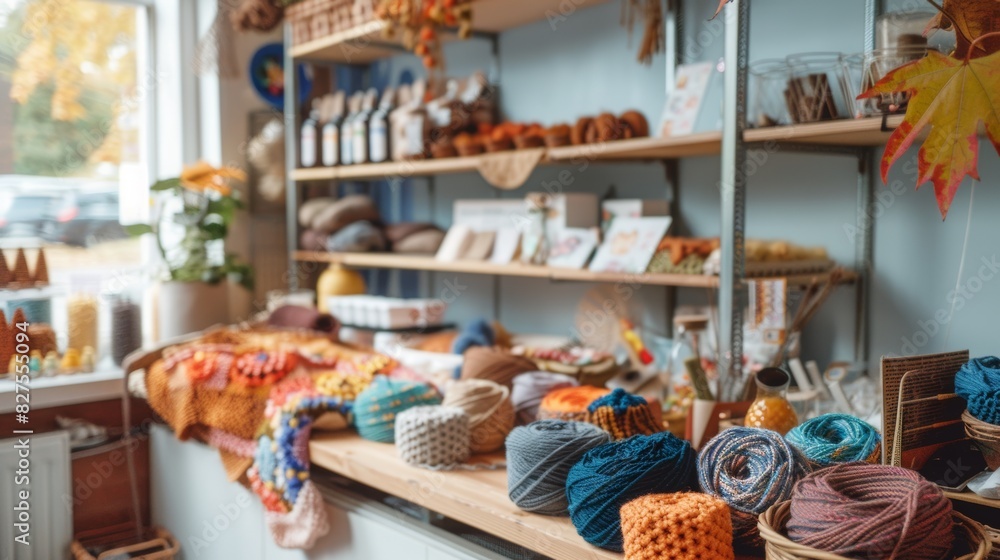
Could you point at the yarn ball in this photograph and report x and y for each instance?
(477, 333)
(681, 525)
(358, 237)
(494, 365)
(871, 511)
(570, 403)
(837, 438)
(491, 416)
(529, 390)
(978, 382)
(435, 437)
(611, 475)
(623, 415)
(751, 469)
(539, 457)
(376, 407)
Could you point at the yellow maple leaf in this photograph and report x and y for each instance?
(951, 97)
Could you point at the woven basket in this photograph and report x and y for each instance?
(162, 546)
(778, 546)
(314, 19)
(986, 436)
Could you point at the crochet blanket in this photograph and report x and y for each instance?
(256, 396)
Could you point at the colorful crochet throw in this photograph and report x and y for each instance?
(256, 396)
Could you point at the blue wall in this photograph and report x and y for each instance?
(586, 64)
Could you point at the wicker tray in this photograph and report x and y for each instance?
(314, 19)
(779, 547)
(162, 546)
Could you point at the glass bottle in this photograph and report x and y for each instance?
(309, 139)
(359, 138)
(378, 128)
(331, 131)
(771, 409)
(678, 387)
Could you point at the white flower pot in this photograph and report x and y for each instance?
(187, 307)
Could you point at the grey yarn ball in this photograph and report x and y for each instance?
(539, 457)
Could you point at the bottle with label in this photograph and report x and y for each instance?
(361, 123)
(416, 124)
(397, 122)
(347, 129)
(309, 138)
(378, 128)
(330, 152)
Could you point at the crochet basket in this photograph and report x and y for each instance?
(969, 536)
(314, 19)
(987, 438)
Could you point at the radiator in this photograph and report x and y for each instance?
(50, 521)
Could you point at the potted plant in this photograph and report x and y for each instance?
(191, 218)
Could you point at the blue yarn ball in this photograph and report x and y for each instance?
(613, 474)
(619, 400)
(978, 382)
(831, 439)
(376, 408)
(477, 333)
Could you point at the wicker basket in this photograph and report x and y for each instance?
(778, 546)
(313, 19)
(986, 436)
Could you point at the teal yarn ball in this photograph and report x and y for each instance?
(539, 457)
(832, 439)
(376, 408)
(978, 382)
(611, 475)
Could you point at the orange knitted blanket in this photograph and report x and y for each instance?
(255, 395)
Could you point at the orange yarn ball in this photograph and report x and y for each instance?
(570, 403)
(681, 525)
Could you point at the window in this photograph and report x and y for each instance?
(75, 110)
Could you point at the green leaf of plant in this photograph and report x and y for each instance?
(166, 185)
(216, 229)
(136, 230)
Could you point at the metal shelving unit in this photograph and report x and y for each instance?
(850, 138)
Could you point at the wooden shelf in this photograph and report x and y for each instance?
(636, 149)
(365, 44)
(476, 498)
(853, 132)
(406, 262)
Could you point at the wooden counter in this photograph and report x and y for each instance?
(476, 498)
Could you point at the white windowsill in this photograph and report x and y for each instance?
(61, 390)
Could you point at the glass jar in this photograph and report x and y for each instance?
(876, 65)
(902, 29)
(771, 409)
(769, 92)
(126, 328)
(679, 389)
(815, 89)
(534, 239)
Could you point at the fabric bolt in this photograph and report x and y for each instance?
(332, 217)
(978, 382)
(491, 415)
(877, 512)
(684, 525)
(376, 408)
(611, 475)
(751, 469)
(494, 365)
(570, 403)
(623, 415)
(434, 437)
(837, 438)
(358, 237)
(539, 457)
(425, 242)
(530, 388)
